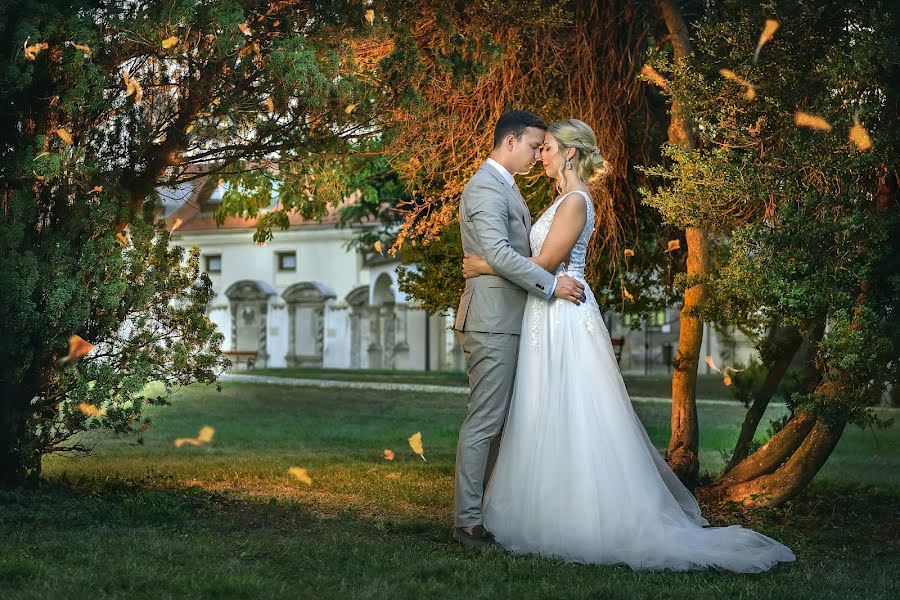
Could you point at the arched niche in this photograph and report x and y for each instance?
(306, 315)
(249, 303)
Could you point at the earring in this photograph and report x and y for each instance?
(568, 165)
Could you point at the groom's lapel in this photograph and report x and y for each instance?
(517, 202)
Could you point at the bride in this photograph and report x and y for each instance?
(577, 476)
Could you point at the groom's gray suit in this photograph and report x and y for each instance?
(495, 224)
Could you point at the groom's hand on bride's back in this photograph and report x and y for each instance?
(569, 289)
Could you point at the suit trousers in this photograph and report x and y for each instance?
(491, 365)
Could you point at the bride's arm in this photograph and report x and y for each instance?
(568, 223)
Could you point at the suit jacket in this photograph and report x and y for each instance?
(495, 224)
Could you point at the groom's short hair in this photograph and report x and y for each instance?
(515, 122)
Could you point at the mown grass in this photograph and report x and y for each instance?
(224, 520)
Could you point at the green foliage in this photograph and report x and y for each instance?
(809, 224)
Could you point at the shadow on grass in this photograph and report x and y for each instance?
(93, 538)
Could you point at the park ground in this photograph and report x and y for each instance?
(140, 518)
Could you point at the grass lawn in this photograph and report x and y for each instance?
(709, 387)
(224, 520)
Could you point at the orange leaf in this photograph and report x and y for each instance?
(349, 108)
(133, 87)
(122, 239)
(378, 247)
(175, 225)
(31, 52)
(673, 245)
(78, 347)
(89, 410)
(169, 42)
(629, 252)
(627, 294)
(83, 48)
(270, 104)
(712, 364)
(806, 120)
(726, 379)
(96, 188)
(300, 475)
(860, 137)
(767, 34)
(204, 437)
(388, 454)
(750, 92)
(245, 29)
(370, 16)
(65, 136)
(415, 442)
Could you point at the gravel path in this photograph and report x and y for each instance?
(400, 387)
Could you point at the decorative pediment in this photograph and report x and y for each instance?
(308, 292)
(248, 290)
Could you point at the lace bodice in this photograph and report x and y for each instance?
(573, 267)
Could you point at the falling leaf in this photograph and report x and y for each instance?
(629, 252)
(860, 137)
(31, 52)
(204, 437)
(767, 34)
(370, 16)
(96, 188)
(627, 294)
(245, 29)
(89, 410)
(673, 245)
(206, 434)
(806, 120)
(65, 136)
(726, 379)
(270, 104)
(87, 51)
(122, 239)
(654, 76)
(349, 108)
(750, 92)
(78, 347)
(175, 225)
(169, 42)
(132, 87)
(712, 364)
(300, 474)
(415, 442)
(42, 154)
(388, 454)
(377, 246)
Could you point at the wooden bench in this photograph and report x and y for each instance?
(239, 358)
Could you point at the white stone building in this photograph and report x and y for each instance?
(308, 297)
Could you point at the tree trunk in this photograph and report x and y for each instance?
(787, 341)
(19, 460)
(682, 453)
(788, 480)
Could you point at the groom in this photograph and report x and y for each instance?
(495, 224)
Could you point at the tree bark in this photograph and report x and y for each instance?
(682, 453)
(790, 478)
(787, 340)
(18, 459)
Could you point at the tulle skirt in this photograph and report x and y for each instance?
(577, 476)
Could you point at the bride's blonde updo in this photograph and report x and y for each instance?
(572, 133)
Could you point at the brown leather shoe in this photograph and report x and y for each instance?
(479, 538)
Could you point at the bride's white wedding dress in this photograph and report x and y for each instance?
(577, 476)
